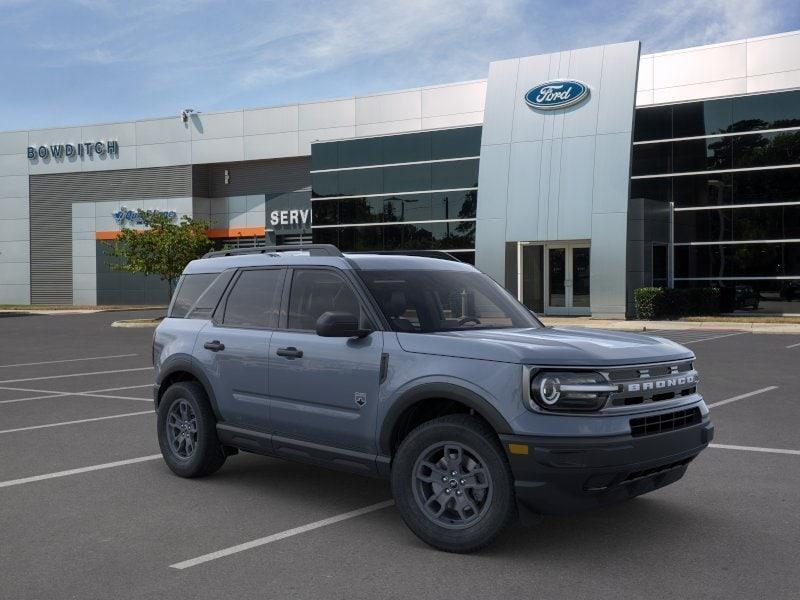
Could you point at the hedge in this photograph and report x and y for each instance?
(664, 303)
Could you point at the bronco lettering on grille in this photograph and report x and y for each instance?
(660, 384)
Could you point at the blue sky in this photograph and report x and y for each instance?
(90, 61)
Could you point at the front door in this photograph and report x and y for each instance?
(323, 390)
(566, 283)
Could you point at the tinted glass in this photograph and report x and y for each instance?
(315, 292)
(653, 123)
(253, 300)
(766, 111)
(702, 190)
(325, 212)
(457, 174)
(361, 181)
(325, 184)
(355, 153)
(325, 156)
(189, 290)
(774, 185)
(407, 178)
(652, 159)
(327, 235)
(701, 118)
(438, 300)
(454, 143)
(765, 295)
(653, 189)
(361, 210)
(407, 207)
(757, 150)
(205, 305)
(407, 148)
(702, 155)
(762, 223)
(738, 260)
(454, 205)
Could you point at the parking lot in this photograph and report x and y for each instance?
(88, 509)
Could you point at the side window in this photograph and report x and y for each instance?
(315, 292)
(253, 301)
(189, 290)
(208, 300)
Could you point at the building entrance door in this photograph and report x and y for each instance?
(566, 278)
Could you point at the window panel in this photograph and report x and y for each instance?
(410, 207)
(458, 174)
(407, 178)
(701, 118)
(315, 292)
(189, 291)
(652, 159)
(454, 143)
(325, 212)
(653, 189)
(325, 156)
(454, 205)
(766, 111)
(415, 147)
(774, 185)
(357, 153)
(652, 123)
(360, 181)
(360, 210)
(738, 260)
(253, 300)
(702, 155)
(761, 150)
(325, 184)
(702, 190)
(328, 235)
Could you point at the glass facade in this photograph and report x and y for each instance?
(415, 191)
(731, 168)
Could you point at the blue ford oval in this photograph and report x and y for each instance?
(556, 94)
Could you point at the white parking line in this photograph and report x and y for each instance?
(282, 535)
(715, 337)
(133, 414)
(90, 393)
(76, 375)
(743, 396)
(755, 449)
(66, 360)
(793, 346)
(111, 465)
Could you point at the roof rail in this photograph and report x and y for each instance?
(313, 250)
(440, 254)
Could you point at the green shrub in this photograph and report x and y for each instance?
(663, 303)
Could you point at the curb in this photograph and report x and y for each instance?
(135, 323)
(644, 326)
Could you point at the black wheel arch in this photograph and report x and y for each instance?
(182, 368)
(440, 391)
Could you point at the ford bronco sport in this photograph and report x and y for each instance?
(422, 370)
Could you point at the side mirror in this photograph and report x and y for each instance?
(340, 324)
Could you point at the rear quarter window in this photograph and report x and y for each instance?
(199, 293)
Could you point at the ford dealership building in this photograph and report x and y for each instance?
(572, 178)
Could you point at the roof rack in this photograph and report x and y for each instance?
(313, 250)
(440, 254)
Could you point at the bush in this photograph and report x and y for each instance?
(663, 303)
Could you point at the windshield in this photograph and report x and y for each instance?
(432, 301)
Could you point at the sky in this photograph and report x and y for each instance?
(72, 62)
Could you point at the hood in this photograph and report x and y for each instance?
(556, 346)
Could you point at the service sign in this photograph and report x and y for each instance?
(553, 95)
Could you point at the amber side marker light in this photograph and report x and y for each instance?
(518, 448)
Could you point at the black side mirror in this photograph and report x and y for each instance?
(340, 324)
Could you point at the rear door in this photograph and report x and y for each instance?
(233, 347)
(324, 390)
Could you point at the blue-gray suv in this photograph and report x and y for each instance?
(422, 370)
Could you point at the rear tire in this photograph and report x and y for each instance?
(461, 512)
(187, 432)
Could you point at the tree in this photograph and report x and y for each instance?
(163, 248)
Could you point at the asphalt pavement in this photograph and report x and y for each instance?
(89, 510)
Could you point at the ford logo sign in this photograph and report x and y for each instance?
(556, 94)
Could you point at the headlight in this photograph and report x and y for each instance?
(564, 390)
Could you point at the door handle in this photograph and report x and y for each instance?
(290, 352)
(214, 346)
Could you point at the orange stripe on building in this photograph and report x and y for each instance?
(230, 232)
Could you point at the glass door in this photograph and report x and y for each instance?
(567, 279)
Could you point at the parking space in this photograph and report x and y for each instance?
(88, 509)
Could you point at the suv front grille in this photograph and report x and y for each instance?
(653, 424)
(652, 383)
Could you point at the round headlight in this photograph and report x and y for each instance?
(549, 390)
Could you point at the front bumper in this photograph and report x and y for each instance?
(566, 475)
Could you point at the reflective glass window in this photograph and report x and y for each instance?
(407, 178)
(653, 189)
(738, 260)
(189, 290)
(253, 300)
(652, 159)
(456, 174)
(773, 185)
(325, 156)
(327, 235)
(415, 147)
(407, 207)
(325, 184)
(701, 118)
(325, 212)
(454, 205)
(361, 181)
(360, 210)
(766, 111)
(454, 143)
(702, 155)
(357, 153)
(315, 292)
(766, 149)
(653, 123)
(702, 190)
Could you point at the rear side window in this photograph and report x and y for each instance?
(189, 290)
(253, 301)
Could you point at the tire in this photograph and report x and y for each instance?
(187, 433)
(478, 506)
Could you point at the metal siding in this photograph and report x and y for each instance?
(260, 177)
(51, 198)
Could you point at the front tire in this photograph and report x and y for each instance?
(187, 432)
(453, 485)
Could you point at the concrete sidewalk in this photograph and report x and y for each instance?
(751, 326)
